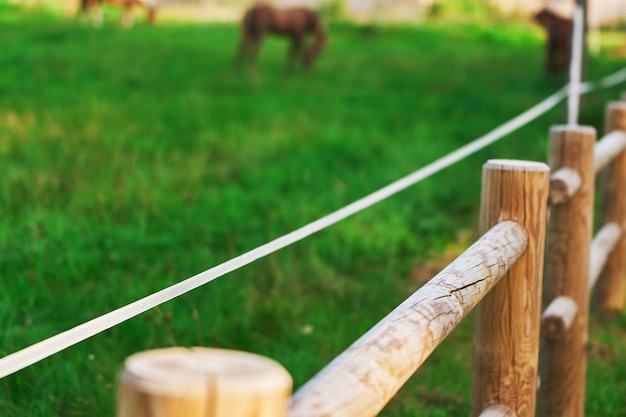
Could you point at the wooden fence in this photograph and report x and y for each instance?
(515, 344)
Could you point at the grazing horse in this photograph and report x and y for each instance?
(93, 8)
(559, 40)
(294, 23)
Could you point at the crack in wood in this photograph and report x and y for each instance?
(470, 285)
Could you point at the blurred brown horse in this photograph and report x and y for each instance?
(93, 10)
(559, 41)
(294, 23)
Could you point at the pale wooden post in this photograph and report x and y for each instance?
(566, 283)
(200, 382)
(610, 285)
(507, 321)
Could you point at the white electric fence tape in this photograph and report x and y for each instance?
(575, 71)
(48, 347)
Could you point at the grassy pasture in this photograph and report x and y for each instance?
(130, 160)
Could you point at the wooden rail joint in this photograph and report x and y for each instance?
(498, 410)
(608, 148)
(507, 329)
(558, 318)
(601, 247)
(564, 184)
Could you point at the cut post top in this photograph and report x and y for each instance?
(516, 165)
(580, 129)
(617, 105)
(186, 371)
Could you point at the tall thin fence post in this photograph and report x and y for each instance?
(563, 354)
(507, 321)
(201, 382)
(610, 287)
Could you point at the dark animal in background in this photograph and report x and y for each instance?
(93, 9)
(294, 23)
(558, 44)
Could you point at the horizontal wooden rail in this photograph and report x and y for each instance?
(602, 245)
(558, 317)
(361, 380)
(607, 148)
(498, 410)
(564, 183)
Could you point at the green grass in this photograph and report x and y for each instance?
(130, 160)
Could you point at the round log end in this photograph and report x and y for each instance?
(498, 410)
(616, 105)
(558, 318)
(553, 327)
(197, 382)
(564, 183)
(569, 129)
(516, 165)
(559, 192)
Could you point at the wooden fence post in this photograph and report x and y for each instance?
(200, 382)
(507, 321)
(609, 293)
(563, 354)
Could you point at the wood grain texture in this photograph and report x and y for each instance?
(609, 290)
(564, 359)
(361, 380)
(508, 319)
(200, 382)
